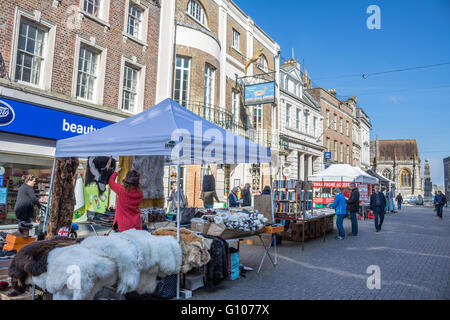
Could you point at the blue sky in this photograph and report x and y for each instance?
(335, 43)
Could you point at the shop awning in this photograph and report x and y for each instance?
(167, 129)
(344, 173)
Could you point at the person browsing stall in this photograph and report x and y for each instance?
(353, 208)
(26, 200)
(340, 205)
(129, 197)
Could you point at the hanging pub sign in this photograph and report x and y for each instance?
(260, 93)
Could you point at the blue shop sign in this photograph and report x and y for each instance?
(327, 155)
(28, 119)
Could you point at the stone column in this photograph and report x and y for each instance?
(302, 166)
(310, 164)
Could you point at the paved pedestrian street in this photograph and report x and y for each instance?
(412, 252)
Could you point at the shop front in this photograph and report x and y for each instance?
(28, 134)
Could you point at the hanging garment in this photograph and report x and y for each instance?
(63, 195)
(98, 170)
(209, 183)
(79, 193)
(151, 171)
(93, 200)
(217, 267)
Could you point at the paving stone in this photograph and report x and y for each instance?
(412, 251)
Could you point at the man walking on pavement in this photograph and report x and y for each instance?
(339, 204)
(439, 202)
(353, 208)
(399, 201)
(378, 205)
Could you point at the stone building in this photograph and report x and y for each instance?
(70, 67)
(399, 161)
(447, 177)
(301, 124)
(338, 125)
(364, 131)
(205, 45)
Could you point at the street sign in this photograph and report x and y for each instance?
(2, 170)
(286, 172)
(327, 155)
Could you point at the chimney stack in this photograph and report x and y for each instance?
(332, 92)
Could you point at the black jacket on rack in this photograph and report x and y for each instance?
(217, 267)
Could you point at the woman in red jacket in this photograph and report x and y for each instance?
(129, 196)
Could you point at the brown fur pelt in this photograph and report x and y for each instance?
(63, 195)
(31, 260)
(195, 248)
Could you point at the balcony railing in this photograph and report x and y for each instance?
(225, 119)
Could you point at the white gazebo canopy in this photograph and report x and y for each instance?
(344, 173)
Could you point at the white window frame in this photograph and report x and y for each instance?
(328, 144)
(182, 69)
(348, 154)
(315, 126)
(346, 128)
(306, 116)
(257, 125)
(45, 77)
(209, 85)
(328, 118)
(341, 125)
(341, 153)
(143, 29)
(335, 121)
(263, 63)
(288, 115)
(139, 104)
(297, 120)
(101, 67)
(335, 150)
(235, 39)
(235, 105)
(103, 15)
(194, 5)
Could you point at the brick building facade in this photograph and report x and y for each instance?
(93, 63)
(338, 124)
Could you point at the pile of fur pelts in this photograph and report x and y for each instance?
(240, 221)
(195, 248)
(131, 260)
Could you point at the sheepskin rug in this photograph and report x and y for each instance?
(195, 248)
(132, 259)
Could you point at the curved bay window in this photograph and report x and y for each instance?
(405, 178)
(387, 174)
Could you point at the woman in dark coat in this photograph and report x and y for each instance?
(26, 200)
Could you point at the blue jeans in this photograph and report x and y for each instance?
(399, 205)
(354, 223)
(378, 212)
(209, 206)
(340, 224)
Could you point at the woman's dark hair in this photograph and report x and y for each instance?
(28, 178)
(266, 189)
(131, 180)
